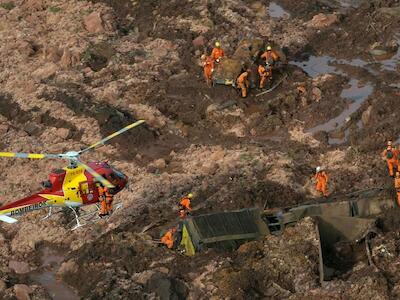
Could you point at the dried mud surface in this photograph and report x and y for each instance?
(74, 71)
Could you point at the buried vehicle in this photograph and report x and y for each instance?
(344, 228)
(246, 55)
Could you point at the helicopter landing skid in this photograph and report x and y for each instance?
(48, 214)
(90, 217)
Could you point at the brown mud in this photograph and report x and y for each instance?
(336, 108)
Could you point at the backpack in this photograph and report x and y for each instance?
(389, 154)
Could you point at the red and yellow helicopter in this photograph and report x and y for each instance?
(73, 186)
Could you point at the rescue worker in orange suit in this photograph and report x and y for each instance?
(397, 187)
(322, 181)
(217, 53)
(184, 206)
(391, 156)
(208, 66)
(265, 74)
(106, 199)
(243, 82)
(168, 238)
(270, 56)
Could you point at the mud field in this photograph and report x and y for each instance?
(74, 71)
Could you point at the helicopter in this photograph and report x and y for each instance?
(73, 186)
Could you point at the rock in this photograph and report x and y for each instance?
(45, 72)
(143, 277)
(25, 48)
(3, 286)
(316, 94)
(93, 23)
(51, 53)
(67, 268)
(200, 41)
(366, 115)
(3, 129)
(63, 133)
(159, 164)
(22, 291)
(66, 59)
(19, 267)
(321, 20)
(34, 5)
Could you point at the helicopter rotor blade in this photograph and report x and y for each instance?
(29, 155)
(96, 175)
(106, 139)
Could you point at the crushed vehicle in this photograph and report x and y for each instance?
(246, 55)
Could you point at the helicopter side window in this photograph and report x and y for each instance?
(85, 188)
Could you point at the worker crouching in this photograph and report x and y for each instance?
(243, 82)
(168, 239)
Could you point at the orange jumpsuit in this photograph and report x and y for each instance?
(184, 208)
(217, 53)
(168, 239)
(243, 83)
(392, 162)
(106, 200)
(208, 65)
(265, 74)
(322, 182)
(270, 55)
(397, 187)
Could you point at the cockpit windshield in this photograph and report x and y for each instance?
(119, 173)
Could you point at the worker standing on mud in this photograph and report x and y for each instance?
(168, 238)
(270, 56)
(243, 82)
(321, 181)
(184, 206)
(208, 66)
(391, 156)
(265, 74)
(106, 199)
(217, 53)
(397, 187)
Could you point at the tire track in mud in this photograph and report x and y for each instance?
(33, 122)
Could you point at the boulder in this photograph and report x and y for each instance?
(366, 116)
(3, 286)
(159, 164)
(316, 94)
(22, 291)
(322, 20)
(45, 72)
(67, 268)
(51, 53)
(200, 41)
(63, 133)
(19, 267)
(66, 59)
(93, 23)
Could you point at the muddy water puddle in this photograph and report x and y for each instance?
(357, 93)
(277, 12)
(46, 276)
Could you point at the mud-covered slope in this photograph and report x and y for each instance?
(75, 71)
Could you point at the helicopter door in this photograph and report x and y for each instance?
(89, 192)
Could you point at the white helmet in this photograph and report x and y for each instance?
(318, 169)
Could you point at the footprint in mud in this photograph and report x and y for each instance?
(46, 276)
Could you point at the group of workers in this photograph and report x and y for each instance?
(268, 58)
(391, 155)
(184, 209)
